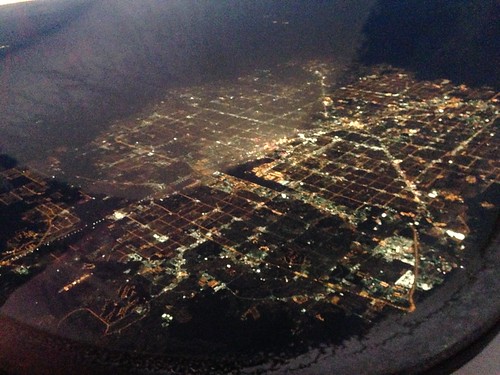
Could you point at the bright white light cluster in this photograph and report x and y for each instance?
(5, 2)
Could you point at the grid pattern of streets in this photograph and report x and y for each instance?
(247, 201)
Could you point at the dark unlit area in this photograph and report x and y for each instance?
(457, 40)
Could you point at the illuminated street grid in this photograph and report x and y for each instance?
(198, 130)
(47, 213)
(245, 197)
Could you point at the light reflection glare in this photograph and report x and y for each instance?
(5, 2)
